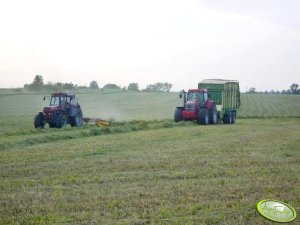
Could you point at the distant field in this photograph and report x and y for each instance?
(154, 173)
(269, 105)
(18, 107)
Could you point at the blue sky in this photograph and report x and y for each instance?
(180, 42)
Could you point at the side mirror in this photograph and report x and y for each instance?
(44, 98)
(180, 95)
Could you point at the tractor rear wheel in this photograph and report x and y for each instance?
(53, 121)
(228, 118)
(178, 115)
(203, 117)
(77, 120)
(213, 116)
(51, 125)
(39, 121)
(233, 117)
(61, 121)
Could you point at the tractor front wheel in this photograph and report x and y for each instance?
(39, 121)
(61, 121)
(203, 117)
(178, 115)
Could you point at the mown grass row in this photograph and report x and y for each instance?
(37, 136)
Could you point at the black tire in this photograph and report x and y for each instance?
(39, 121)
(213, 115)
(53, 122)
(203, 116)
(77, 120)
(225, 119)
(228, 118)
(52, 125)
(61, 121)
(178, 115)
(233, 117)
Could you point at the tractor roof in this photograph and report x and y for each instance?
(61, 94)
(197, 90)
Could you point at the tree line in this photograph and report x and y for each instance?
(294, 89)
(38, 85)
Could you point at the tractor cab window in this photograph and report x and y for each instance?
(192, 96)
(199, 96)
(54, 101)
(74, 102)
(63, 101)
(205, 96)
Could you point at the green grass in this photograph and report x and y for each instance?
(172, 175)
(26, 137)
(144, 168)
(269, 106)
(142, 106)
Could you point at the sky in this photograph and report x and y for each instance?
(180, 42)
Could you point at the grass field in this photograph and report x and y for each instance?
(149, 170)
(181, 175)
(146, 106)
(269, 106)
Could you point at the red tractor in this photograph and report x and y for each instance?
(196, 107)
(64, 109)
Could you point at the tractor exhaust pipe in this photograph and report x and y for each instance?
(183, 95)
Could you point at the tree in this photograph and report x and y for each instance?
(167, 87)
(294, 88)
(51, 87)
(37, 84)
(158, 87)
(94, 85)
(133, 87)
(68, 86)
(59, 84)
(111, 86)
(252, 90)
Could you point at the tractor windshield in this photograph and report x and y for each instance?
(196, 96)
(54, 101)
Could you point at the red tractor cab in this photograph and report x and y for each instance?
(196, 107)
(63, 109)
